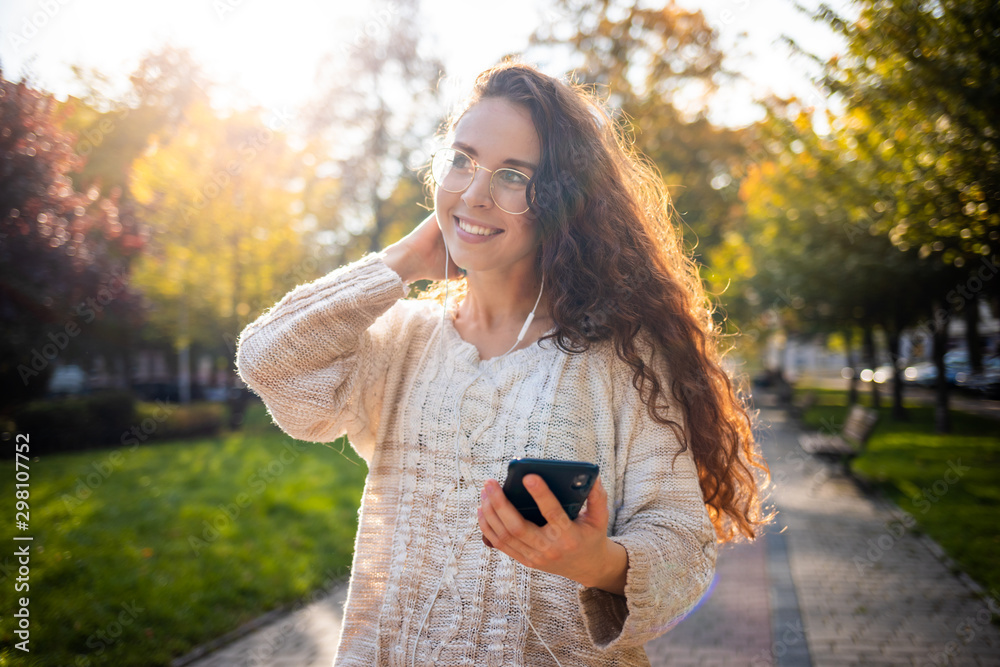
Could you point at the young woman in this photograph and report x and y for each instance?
(573, 327)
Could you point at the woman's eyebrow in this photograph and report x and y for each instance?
(511, 161)
(521, 163)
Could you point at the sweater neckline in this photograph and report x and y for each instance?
(471, 352)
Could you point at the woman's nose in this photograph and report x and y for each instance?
(478, 192)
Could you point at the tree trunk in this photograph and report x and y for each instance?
(184, 355)
(942, 417)
(379, 146)
(852, 388)
(379, 224)
(972, 342)
(236, 398)
(899, 413)
(869, 343)
(784, 389)
(128, 359)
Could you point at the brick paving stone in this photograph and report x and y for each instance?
(306, 637)
(871, 592)
(732, 625)
(845, 584)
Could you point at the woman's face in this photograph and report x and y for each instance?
(496, 134)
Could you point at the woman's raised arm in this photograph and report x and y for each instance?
(319, 357)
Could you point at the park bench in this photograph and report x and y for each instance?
(803, 403)
(851, 440)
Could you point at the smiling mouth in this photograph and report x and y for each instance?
(475, 229)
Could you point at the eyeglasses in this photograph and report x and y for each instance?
(454, 171)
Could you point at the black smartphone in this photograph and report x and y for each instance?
(570, 482)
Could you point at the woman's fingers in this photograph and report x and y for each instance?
(421, 253)
(548, 504)
(503, 518)
(564, 547)
(498, 535)
(596, 512)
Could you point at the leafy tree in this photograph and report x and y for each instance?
(64, 255)
(647, 61)
(819, 247)
(924, 73)
(636, 52)
(658, 64)
(113, 131)
(377, 106)
(919, 87)
(223, 198)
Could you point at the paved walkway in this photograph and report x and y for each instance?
(839, 581)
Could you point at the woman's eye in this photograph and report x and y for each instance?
(461, 162)
(510, 177)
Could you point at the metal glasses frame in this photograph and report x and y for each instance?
(476, 166)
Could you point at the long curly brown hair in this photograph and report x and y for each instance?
(617, 267)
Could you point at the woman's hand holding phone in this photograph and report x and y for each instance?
(579, 550)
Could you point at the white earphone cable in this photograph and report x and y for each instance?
(456, 547)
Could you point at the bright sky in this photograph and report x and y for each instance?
(269, 50)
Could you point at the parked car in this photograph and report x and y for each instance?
(883, 374)
(955, 362)
(923, 374)
(880, 375)
(986, 383)
(958, 372)
(66, 380)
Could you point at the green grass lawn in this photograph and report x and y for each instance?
(140, 555)
(949, 483)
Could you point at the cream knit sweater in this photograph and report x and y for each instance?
(348, 353)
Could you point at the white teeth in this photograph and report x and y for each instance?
(480, 231)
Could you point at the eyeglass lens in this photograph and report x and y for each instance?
(454, 171)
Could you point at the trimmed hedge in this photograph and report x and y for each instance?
(75, 423)
(94, 421)
(180, 421)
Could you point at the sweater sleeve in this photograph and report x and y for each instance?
(661, 521)
(319, 357)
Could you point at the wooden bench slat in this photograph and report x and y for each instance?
(820, 444)
(859, 424)
(851, 440)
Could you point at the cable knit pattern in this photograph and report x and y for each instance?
(348, 353)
